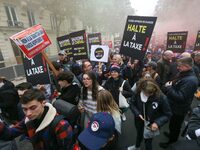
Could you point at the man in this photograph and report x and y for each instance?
(100, 133)
(70, 91)
(86, 67)
(62, 60)
(180, 93)
(192, 140)
(163, 66)
(41, 124)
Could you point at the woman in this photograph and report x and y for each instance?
(149, 105)
(88, 102)
(106, 103)
(113, 85)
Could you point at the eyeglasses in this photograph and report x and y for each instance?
(86, 79)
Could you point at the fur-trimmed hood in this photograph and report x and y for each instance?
(51, 113)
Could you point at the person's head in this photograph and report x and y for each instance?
(168, 55)
(197, 58)
(106, 102)
(148, 87)
(115, 71)
(65, 78)
(23, 87)
(148, 55)
(33, 102)
(117, 59)
(61, 55)
(100, 131)
(86, 66)
(89, 80)
(57, 66)
(185, 54)
(184, 64)
(151, 66)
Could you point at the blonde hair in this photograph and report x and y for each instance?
(119, 58)
(106, 102)
(148, 86)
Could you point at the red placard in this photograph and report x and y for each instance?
(32, 40)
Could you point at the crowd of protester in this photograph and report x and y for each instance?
(159, 90)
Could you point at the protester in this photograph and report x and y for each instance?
(62, 60)
(37, 124)
(163, 66)
(70, 91)
(8, 100)
(99, 134)
(192, 140)
(113, 85)
(86, 67)
(180, 93)
(21, 88)
(148, 105)
(106, 103)
(88, 98)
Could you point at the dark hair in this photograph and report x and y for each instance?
(32, 94)
(67, 75)
(24, 86)
(83, 63)
(95, 85)
(56, 65)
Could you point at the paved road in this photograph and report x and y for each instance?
(127, 137)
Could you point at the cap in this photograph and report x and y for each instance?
(100, 128)
(62, 52)
(115, 68)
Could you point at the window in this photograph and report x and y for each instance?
(53, 22)
(31, 18)
(12, 18)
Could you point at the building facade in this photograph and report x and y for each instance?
(17, 15)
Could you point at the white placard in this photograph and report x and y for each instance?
(99, 53)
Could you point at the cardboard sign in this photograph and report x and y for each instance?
(176, 41)
(117, 44)
(79, 45)
(94, 39)
(99, 53)
(64, 43)
(197, 43)
(137, 34)
(32, 40)
(36, 70)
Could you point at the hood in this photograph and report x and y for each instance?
(51, 113)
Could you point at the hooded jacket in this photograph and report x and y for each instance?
(41, 136)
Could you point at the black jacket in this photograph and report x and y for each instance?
(157, 109)
(71, 94)
(181, 93)
(113, 87)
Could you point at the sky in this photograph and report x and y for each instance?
(144, 7)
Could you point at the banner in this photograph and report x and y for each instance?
(176, 41)
(99, 53)
(32, 40)
(137, 34)
(79, 45)
(94, 39)
(64, 43)
(36, 70)
(197, 43)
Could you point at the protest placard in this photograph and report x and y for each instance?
(31, 41)
(176, 41)
(79, 45)
(197, 43)
(99, 53)
(137, 34)
(64, 43)
(94, 39)
(36, 70)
